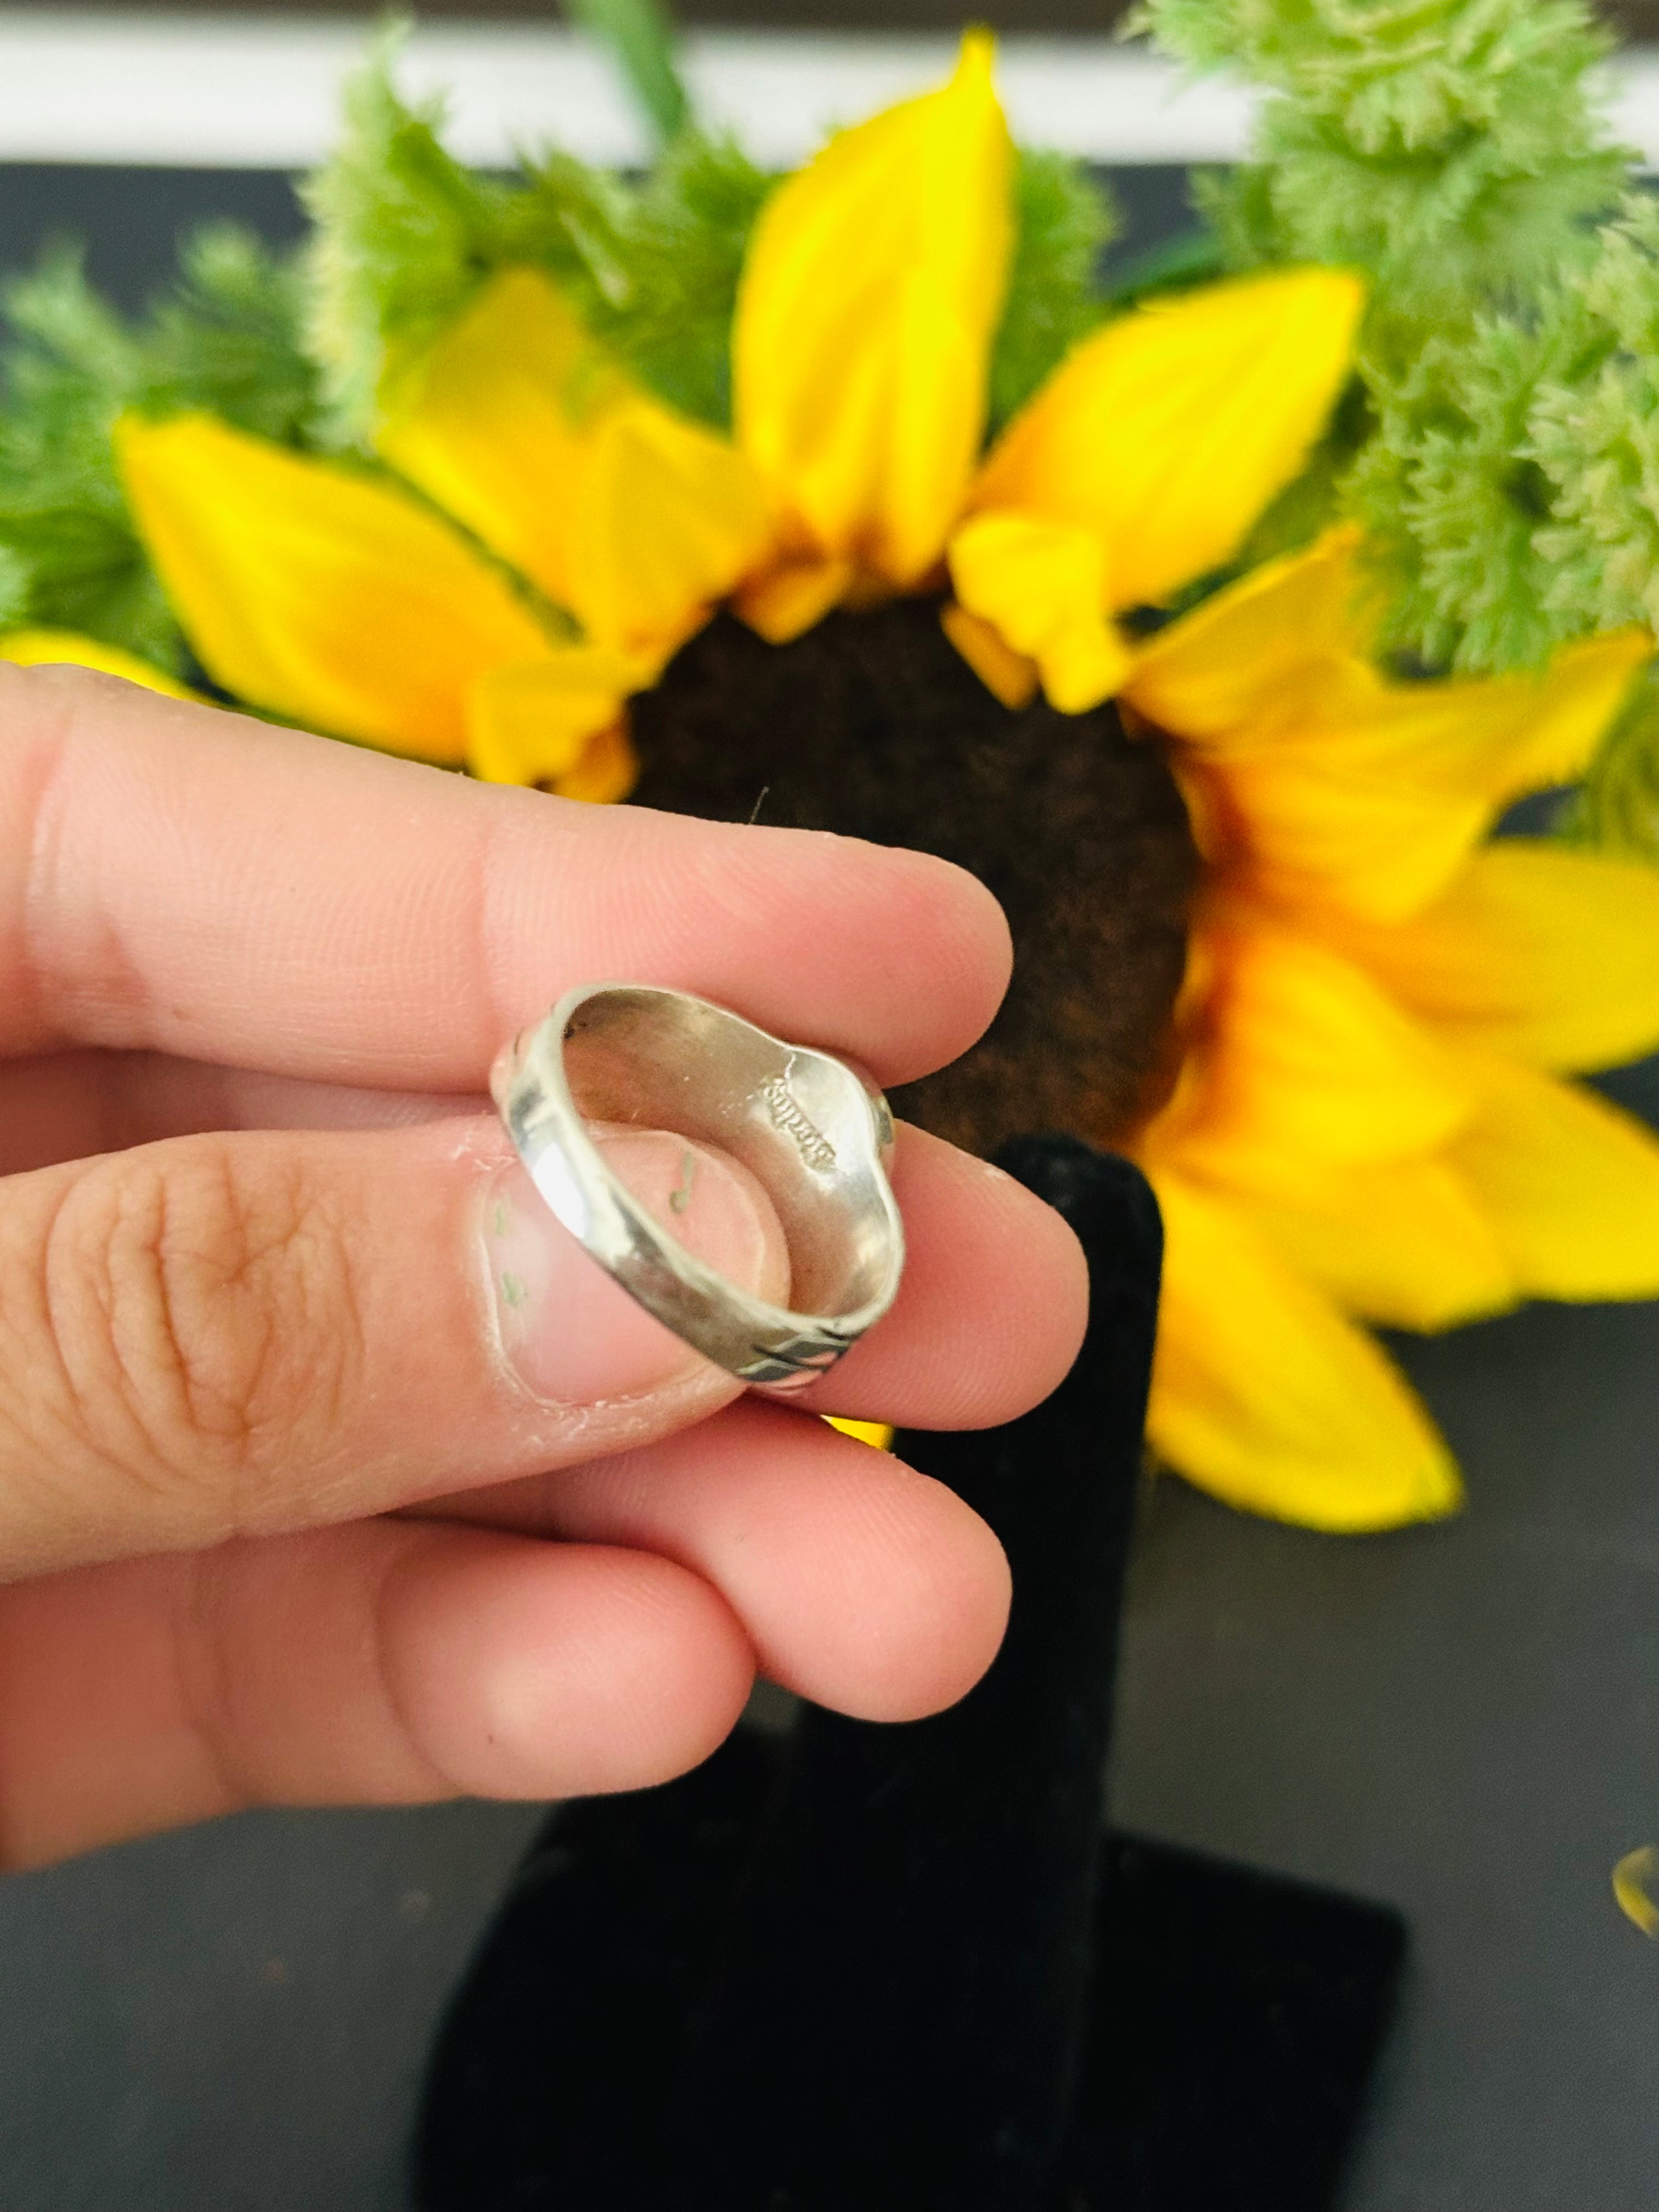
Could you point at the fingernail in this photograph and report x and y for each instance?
(574, 1336)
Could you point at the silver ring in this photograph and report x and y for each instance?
(816, 1135)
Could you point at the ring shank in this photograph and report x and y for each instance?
(816, 1136)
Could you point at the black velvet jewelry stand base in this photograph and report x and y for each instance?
(905, 1969)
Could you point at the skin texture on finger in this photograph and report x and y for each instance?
(389, 1662)
(860, 1583)
(177, 878)
(240, 1334)
(69, 1105)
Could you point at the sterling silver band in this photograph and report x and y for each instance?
(816, 1135)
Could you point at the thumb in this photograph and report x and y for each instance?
(240, 1333)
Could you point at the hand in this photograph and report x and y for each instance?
(307, 1495)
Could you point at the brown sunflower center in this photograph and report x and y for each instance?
(872, 724)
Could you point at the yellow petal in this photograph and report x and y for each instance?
(530, 722)
(1329, 782)
(489, 421)
(1570, 1183)
(1039, 584)
(1306, 833)
(1265, 1396)
(1008, 675)
(607, 771)
(876, 1433)
(667, 519)
(1167, 434)
(41, 648)
(1231, 662)
(1538, 952)
(785, 602)
(516, 422)
(1368, 795)
(1303, 1062)
(321, 595)
(1405, 1244)
(865, 319)
(1488, 738)
(1634, 1879)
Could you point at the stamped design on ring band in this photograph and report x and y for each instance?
(816, 1135)
(787, 1113)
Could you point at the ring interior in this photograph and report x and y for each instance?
(801, 1122)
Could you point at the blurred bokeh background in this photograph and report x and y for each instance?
(1634, 19)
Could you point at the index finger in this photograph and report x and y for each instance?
(180, 878)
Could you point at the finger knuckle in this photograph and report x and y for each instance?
(202, 1301)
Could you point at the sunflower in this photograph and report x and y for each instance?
(1368, 1121)
(553, 532)
(1350, 1010)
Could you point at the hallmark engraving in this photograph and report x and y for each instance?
(785, 1110)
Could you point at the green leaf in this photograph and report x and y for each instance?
(1617, 806)
(1505, 452)
(1453, 149)
(1195, 258)
(405, 236)
(679, 254)
(226, 338)
(14, 588)
(640, 35)
(1509, 483)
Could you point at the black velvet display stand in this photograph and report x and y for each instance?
(905, 1968)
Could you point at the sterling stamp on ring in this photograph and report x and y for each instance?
(787, 1113)
(816, 1135)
